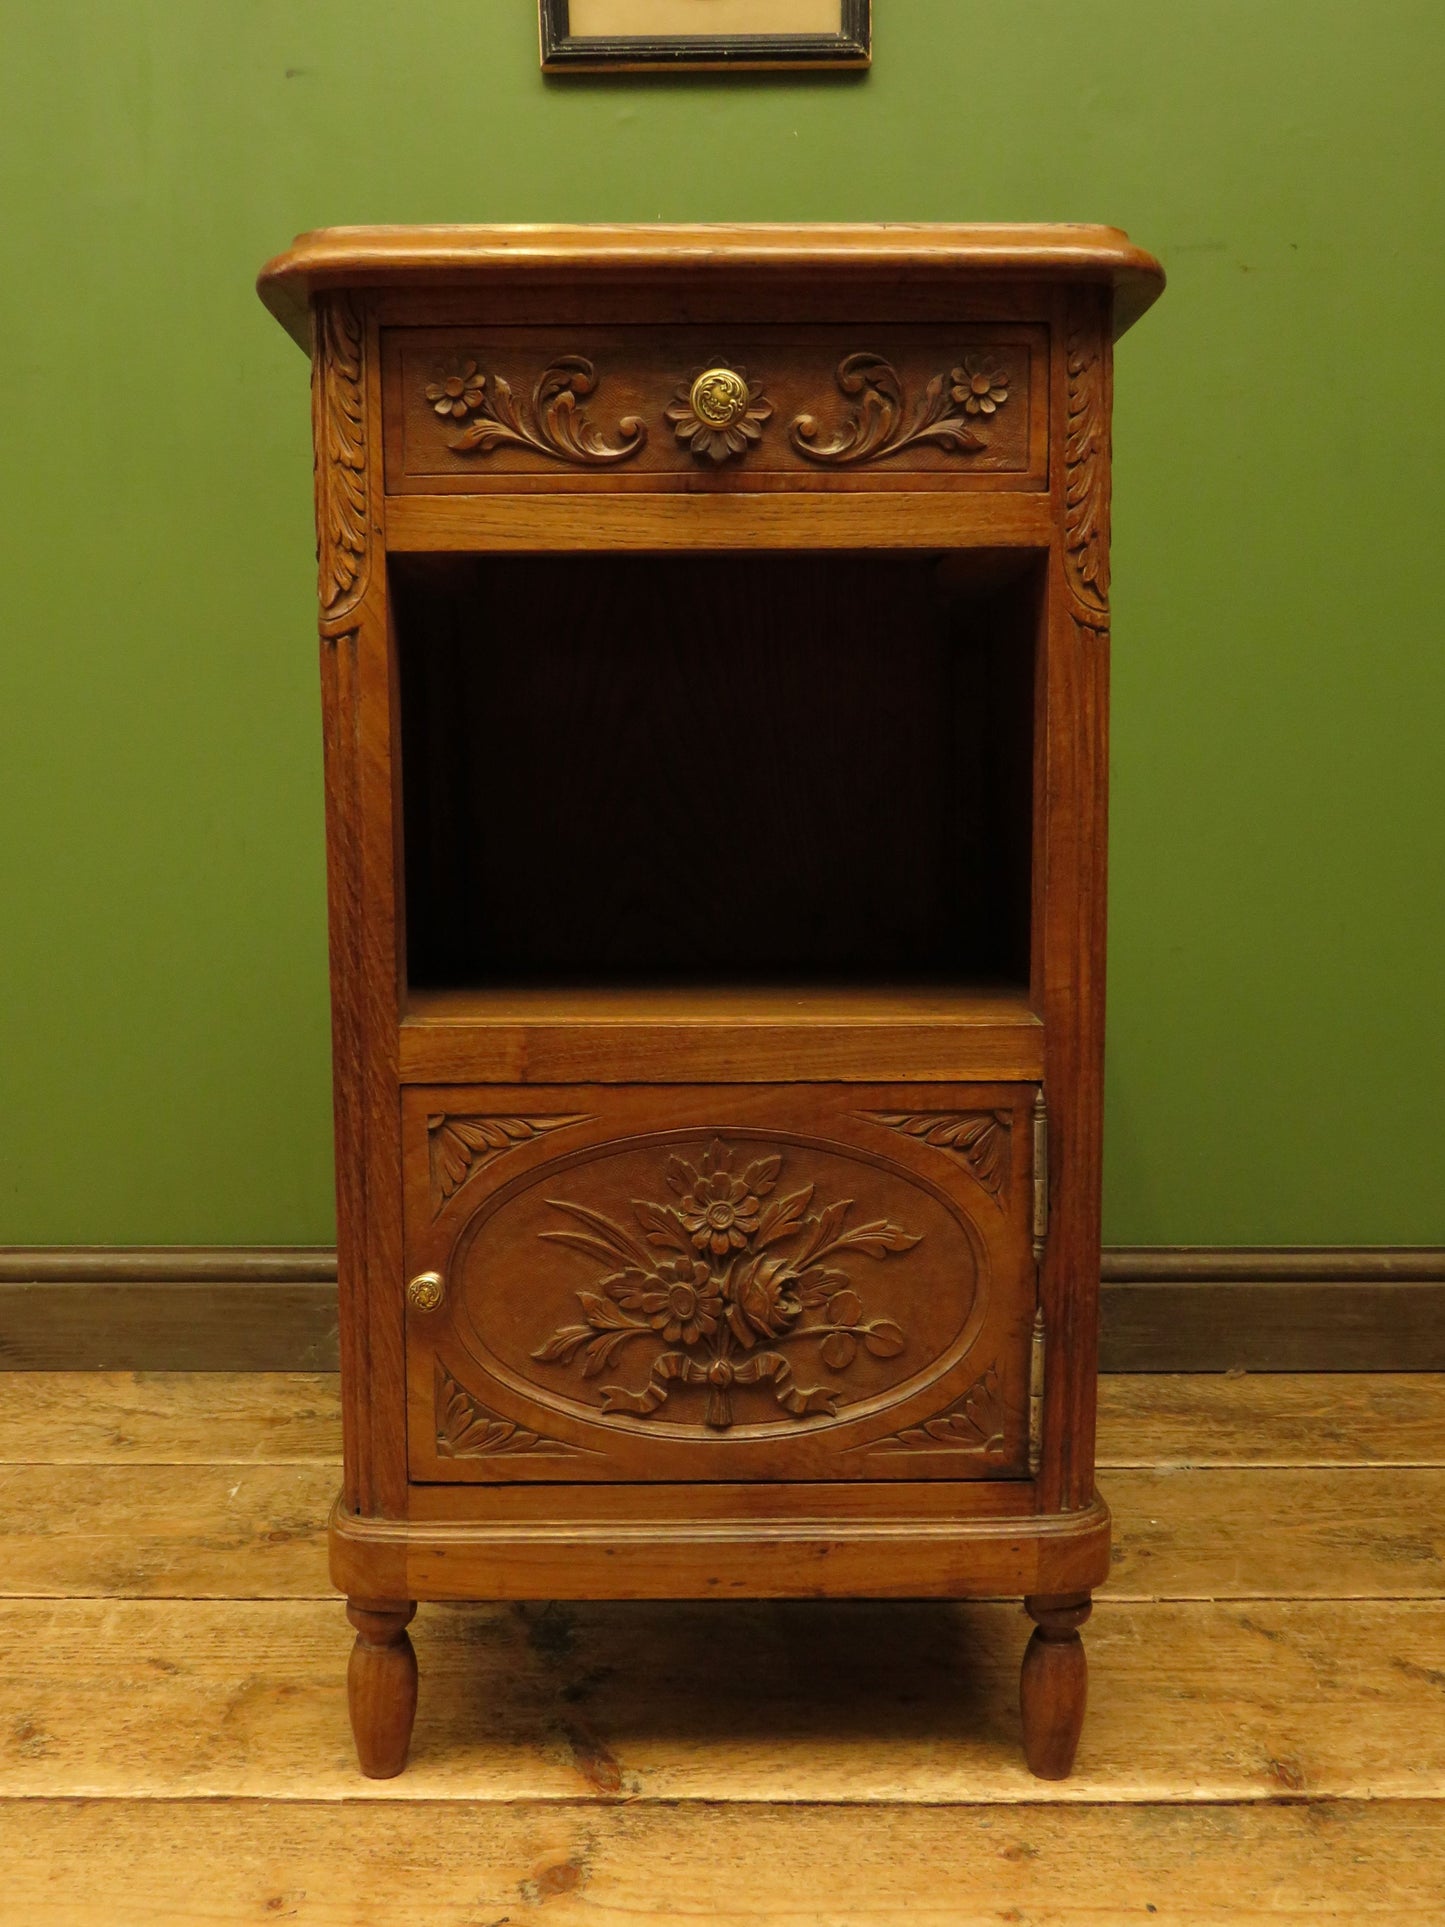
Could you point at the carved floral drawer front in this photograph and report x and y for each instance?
(685, 408)
(738, 1282)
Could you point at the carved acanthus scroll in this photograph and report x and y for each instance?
(880, 425)
(467, 1429)
(338, 406)
(462, 1146)
(972, 1423)
(558, 428)
(1086, 464)
(980, 1140)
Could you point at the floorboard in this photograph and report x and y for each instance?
(731, 1702)
(552, 1864)
(1265, 1742)
(1272, 1418)
(170, 1418)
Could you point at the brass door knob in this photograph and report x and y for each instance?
(426, 1290)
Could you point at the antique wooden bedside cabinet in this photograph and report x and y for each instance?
(714, 651)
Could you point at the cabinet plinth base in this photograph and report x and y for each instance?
(839, 1552)
(385, 1565)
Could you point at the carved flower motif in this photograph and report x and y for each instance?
(723, 1298)
(681, 1300)
(763, 1305)
(459, 394)
(981, 386)
(718, 413)
(720, 1212)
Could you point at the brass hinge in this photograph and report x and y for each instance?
(1036, 1395)
(1041, 1175)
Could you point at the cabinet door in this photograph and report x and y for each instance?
(780, 1282)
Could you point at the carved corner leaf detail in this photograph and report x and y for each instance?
(460, 1147)
(982, 1141)
(557, 429)
(973, 1423)
(338, 391)
(467, 1429)
(880, 426)
(1086, 466)
(714, 1286)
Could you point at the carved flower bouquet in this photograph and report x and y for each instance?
(730, 1285)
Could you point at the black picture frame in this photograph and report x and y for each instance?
(564, 52)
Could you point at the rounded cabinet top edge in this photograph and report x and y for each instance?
(399, 256)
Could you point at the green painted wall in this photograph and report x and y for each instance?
(1276, 1062)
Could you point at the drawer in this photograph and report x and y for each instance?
(683, 409)
(729, 1282)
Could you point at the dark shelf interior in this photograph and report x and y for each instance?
(808, 768)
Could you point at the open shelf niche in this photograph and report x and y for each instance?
(803, 779)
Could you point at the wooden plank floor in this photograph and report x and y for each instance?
(1266, 1738)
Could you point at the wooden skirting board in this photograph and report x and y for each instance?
(1166, 1308)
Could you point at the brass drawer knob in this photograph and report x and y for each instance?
(426, 1290)
(719, 397)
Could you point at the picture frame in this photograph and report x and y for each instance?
(707, 36)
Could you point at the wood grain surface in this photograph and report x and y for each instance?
(369, 1864)
(611, 524)
(171, 1418)
(503, 1036)
(1272, 1418)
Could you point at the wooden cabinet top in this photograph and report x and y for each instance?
(433, 257)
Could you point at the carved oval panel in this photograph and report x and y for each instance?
(732, 1284)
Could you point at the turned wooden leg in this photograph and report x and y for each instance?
(381, 1684)
(1054, 1684)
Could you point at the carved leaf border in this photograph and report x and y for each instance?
(467, 1429)
(982, 1141)
(973, 1423)
(1086, 463)
(459, 1146)
(338, 405)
